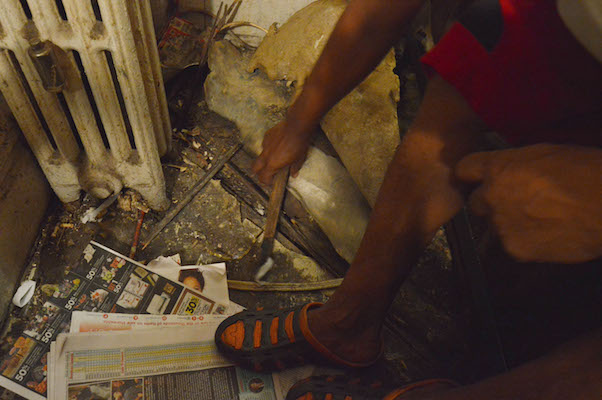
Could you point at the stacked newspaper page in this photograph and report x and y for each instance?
(109, 285)
(153, 357)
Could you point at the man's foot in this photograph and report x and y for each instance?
(347, 334)
(341, 387)
(276, 340)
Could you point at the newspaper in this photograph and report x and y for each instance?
(209, 279)
(180, 46)
(94, 322)
(156, 364)
(103, 281)
(82, 321)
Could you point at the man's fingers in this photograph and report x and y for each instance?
(473, 167)
(262, 170)
(266, 176)
(259, 163)
(478, 202)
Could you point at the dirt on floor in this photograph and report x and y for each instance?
(218, 225)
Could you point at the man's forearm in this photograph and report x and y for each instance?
(363, 35)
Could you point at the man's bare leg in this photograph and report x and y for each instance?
(572, 372)
(418, 195)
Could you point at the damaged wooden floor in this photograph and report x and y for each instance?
(426, 332)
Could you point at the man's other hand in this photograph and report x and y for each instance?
(283, 145)
(545, 201)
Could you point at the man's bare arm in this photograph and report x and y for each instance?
(363, 35)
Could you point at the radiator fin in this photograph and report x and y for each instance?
(109, 125)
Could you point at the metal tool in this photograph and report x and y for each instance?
(274, 206)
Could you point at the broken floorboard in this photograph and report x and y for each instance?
(424, 336)
(428, 317)
(296, 226)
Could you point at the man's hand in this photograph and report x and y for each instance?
(285, 144)
(545, 201)
(362, 37)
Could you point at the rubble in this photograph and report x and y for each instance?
(95, 214)
(363, 126)
(250, 100)
(255, 104)
(191, 194)
(289, 52)
(130, 201)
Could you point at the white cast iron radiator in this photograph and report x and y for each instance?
(83, 80)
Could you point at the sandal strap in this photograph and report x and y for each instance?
(275, 340)
(271, 329)
(265, 339)
(324, 351)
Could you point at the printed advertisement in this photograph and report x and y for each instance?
(104, 282)
(158, 364)
(212, 384)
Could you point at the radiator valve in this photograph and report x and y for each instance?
(44, 57)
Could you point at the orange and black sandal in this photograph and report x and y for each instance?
(274, 340)
(342, 388)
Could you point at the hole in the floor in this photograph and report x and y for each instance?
(67, 112)
(96, 9)
(31, 97)
(26, 9)
(61, 9)
(124, 113)
(88, 89)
